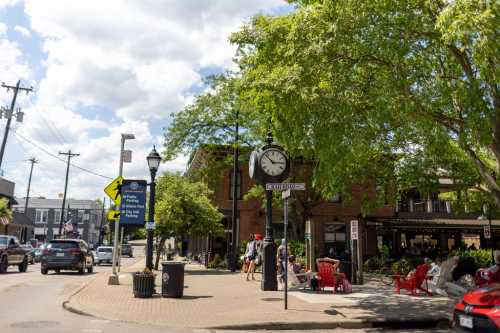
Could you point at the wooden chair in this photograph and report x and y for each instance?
(414, 281)
(300, 280)
(327, 277)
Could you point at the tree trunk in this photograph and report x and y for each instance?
(158, 252)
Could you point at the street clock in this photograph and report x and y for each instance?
(269, 164)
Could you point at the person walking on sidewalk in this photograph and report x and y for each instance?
(250, 255)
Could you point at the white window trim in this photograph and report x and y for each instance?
(41, 211)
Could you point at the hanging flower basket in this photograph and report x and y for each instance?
(143, 284)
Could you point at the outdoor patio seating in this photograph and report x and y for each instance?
(327, 277)
(299, 280)
(414, 281)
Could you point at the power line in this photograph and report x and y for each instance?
(57, 157)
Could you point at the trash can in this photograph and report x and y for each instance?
(172, 279)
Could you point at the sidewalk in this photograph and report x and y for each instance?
(221, 299)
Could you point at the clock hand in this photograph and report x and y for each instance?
(270, 160)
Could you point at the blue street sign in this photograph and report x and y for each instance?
(133, 202)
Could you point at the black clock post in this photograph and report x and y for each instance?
(270, 164)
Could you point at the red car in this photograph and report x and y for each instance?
(479, 311)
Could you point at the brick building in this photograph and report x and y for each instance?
(414, 220)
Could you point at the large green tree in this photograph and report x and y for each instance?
(375, 88)
(183, 207)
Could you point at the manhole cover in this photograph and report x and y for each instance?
(35, 324)
(272, 299)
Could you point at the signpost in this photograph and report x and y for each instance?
(355, 252)
(133, 202)
(286, 189)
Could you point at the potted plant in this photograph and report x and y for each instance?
(144, 284)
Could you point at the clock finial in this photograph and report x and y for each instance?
(269, 138)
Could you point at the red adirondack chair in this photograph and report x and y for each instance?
(327, 278)
(413, 282)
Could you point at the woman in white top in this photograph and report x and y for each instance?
(250, 255)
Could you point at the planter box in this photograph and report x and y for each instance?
(143, 285)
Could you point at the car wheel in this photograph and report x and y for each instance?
(23, 267)
(3, 264)
(44, 271)
(82, 270)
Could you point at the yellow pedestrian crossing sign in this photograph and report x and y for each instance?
(113, 190)
(113, 215)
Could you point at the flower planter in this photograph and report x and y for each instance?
(143, 284)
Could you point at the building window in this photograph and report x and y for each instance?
(41, 215)
(57, 215)
(336, 198)
(238, 185)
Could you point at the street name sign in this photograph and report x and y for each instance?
(113, 190)
(133, 202)
(285, 186)
(113, 215)
(150, 225)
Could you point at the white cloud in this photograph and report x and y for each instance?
(22, 30)
(138, 59)
(6, 3)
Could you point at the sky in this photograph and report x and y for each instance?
(102, 68)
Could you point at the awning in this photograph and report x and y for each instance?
(4, 220)
(438, 223)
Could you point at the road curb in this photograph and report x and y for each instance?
(424, 322)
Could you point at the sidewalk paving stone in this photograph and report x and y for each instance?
(221, 299)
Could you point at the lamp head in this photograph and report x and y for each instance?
(128, 136)
(154, 160)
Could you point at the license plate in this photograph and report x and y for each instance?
(59, 254)
(465, 321)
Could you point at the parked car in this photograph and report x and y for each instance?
(127, 250)
(104, 254)
(67, 254)
(478, 310)
(38, 252)
(30, 252)
(12, 254)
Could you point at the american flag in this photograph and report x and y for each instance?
(68, 226)
(4, 220)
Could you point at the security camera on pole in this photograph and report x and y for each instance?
(270, 164)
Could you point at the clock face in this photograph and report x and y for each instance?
(273, 162)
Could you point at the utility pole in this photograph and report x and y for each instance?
(69, 154)
(16, 89)
(103, 216)
(33, 162)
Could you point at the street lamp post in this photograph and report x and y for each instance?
(113, 279)
(154, 160)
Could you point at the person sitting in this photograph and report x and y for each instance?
(296, 268)
(491, 274)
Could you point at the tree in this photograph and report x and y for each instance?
(376, 89)
(183, 207)
(4, 209)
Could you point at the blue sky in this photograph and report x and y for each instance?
(104, 68)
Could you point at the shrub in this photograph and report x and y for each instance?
(403, 266)
(298, 248)
(374, 264)
(482, 257)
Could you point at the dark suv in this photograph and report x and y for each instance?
(12, 254)
(67, 254)
(127, 250)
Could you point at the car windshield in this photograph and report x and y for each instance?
(63, 245)
(3, 240)
(105, 249)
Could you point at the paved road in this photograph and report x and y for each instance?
(31, 302)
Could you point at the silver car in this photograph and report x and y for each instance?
(104, 254)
